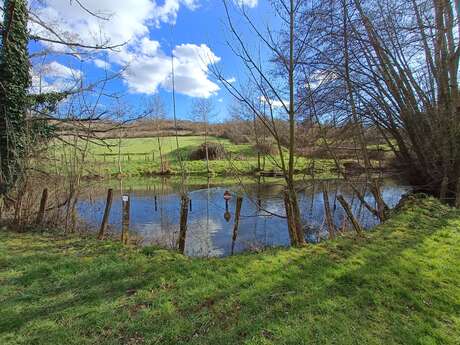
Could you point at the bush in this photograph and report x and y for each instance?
(265, 148)
(236, 137)
(216, 151)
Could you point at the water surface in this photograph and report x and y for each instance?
(155, 204)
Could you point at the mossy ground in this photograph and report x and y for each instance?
(399, 285)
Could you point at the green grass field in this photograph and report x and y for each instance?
(141, 156)
(399, 285)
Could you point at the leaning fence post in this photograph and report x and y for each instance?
(125, 220)
(350, 215)
(105, 218)
(41, 210)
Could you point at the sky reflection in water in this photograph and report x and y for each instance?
(209, 233)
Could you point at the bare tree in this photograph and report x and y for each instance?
(203, 109)
(401, 70)
(157, 114)
(277, 90)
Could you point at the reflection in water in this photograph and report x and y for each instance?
(155, 214)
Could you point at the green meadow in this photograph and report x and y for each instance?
(398, 285)
(141, 156)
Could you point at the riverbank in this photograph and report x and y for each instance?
(399, 285)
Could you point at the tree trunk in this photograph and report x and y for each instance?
(289, 219)
(350, 215)
(328, 214)
(15, 74)
(161, 156)
(444, 187)
(382, 207)
(292, 126)
(206, 145)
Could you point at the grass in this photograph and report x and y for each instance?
(140, 156)
(399, 285)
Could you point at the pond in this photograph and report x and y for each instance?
(155, 205)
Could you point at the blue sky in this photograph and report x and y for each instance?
(193, 30)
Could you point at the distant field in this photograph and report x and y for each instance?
(143, 145)
(141, 156)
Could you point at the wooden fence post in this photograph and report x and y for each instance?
(125, 220)
(41, 210)
(239, 202)
(350, 215)
(105, 218)
(183, 223)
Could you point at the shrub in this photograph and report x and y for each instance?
(265, 148)
(216, 151)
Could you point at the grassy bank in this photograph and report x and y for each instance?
(141, 156)
(399, 285)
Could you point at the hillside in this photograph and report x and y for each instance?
(141, 156)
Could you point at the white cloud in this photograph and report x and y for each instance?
(54, 77)
(167, 12)
(321, 77)
(56, 70)
(149, 68)
(247, 3)
(128, 19)
(231, 80)
(191, 70)
(274, 103)
(101, 64)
